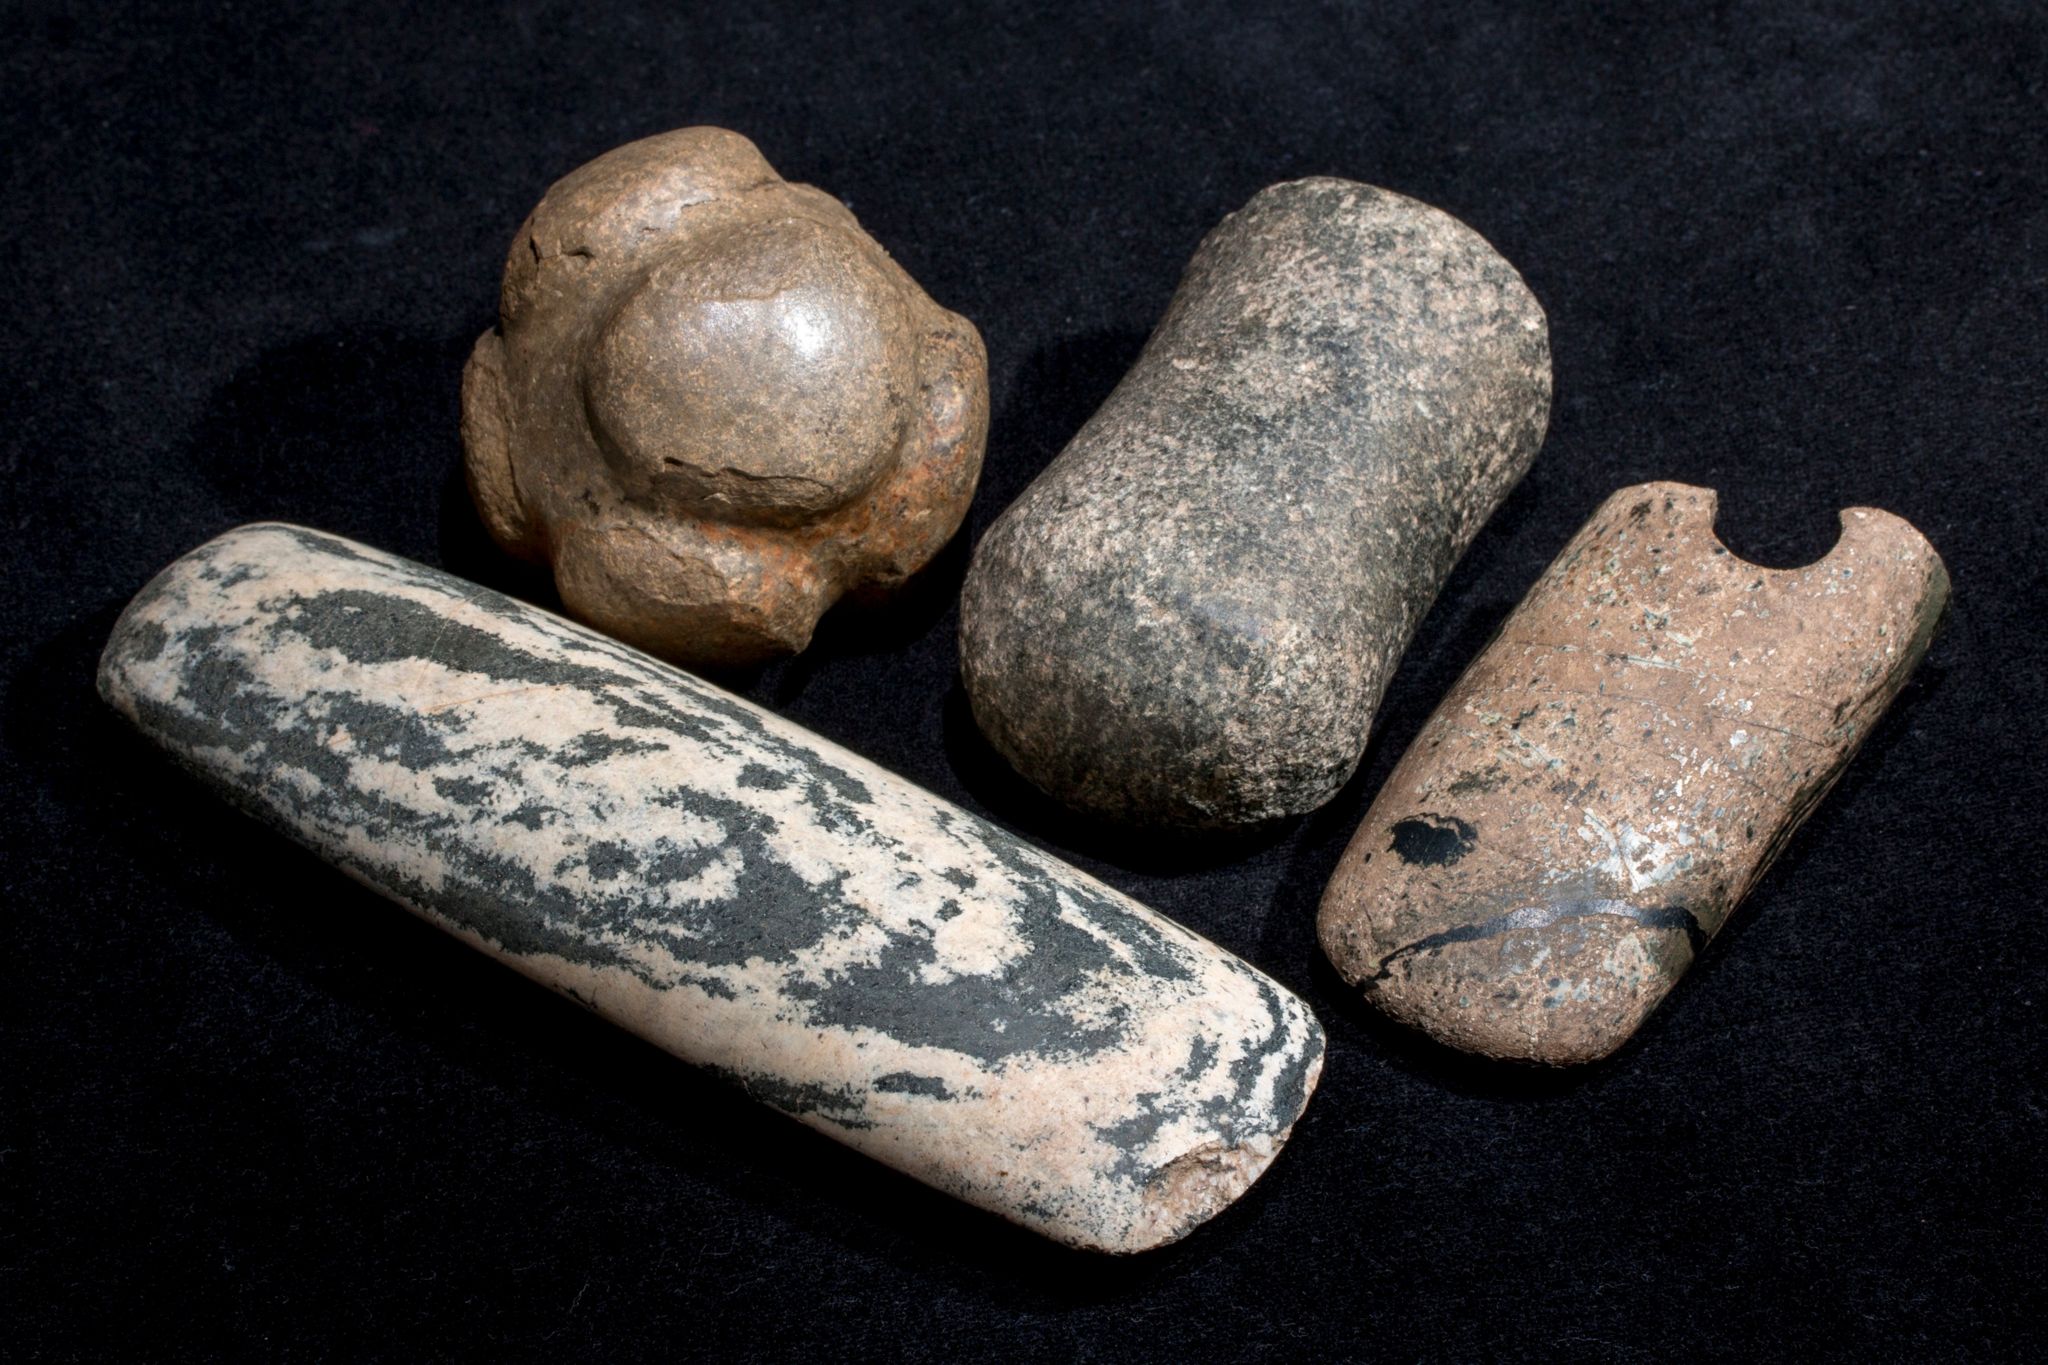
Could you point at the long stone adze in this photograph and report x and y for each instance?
(853, 951)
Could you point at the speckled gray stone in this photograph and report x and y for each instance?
(1189, 618)
(853, 951)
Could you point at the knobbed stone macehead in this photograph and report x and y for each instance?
(714, 404)
(1189, 618)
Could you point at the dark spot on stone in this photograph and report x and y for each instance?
(532, 815)
(595, 746)
(1432, 840)
(710, 985)
(1576, 793)
(761, 778)
(143, 642)
(910, 1083)
(367, 627)
(607, 860)
(463, 791)
(842, 1105)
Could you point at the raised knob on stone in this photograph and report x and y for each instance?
(1189, 618)
(714, 404)
(752, 378)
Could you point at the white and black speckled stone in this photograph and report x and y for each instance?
(1190, 617)
(852, 950)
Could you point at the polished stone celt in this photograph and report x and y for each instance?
(849, 949)
(1189, 618)
(1612, 775)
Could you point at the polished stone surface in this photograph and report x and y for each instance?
(852, 951)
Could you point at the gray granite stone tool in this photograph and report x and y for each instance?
(853, 951)
(1189, 618)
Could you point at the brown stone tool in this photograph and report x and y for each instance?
(1611, 776)
(714, 404)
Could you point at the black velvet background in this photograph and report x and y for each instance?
(1792, 252)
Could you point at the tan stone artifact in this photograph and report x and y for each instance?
(1614, 773)
(714, 404)
(851, 950)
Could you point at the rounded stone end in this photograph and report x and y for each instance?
(1561, 995)
(763, 375)
(1197, 706)
(1199, 1184)
(697, 356)
(1175, 1195)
